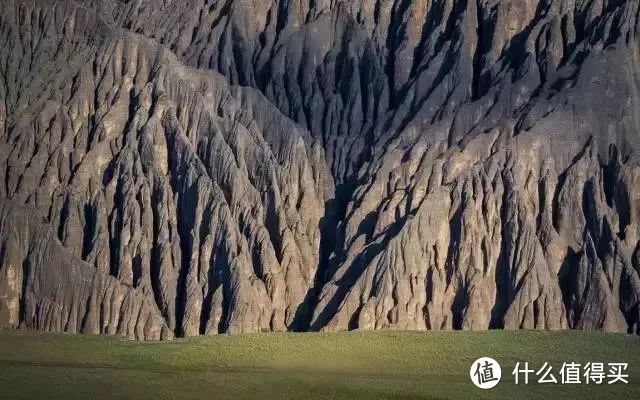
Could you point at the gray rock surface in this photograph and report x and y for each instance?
(194, 167)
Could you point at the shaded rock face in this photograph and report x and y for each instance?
(200, 198)
(183, 168)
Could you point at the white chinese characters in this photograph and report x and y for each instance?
(573, 373)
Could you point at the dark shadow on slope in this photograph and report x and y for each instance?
(359, 265)
(567, 281)
(331, 237)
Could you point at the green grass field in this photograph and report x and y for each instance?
(388, 365)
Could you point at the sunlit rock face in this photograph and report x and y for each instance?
(182, 168)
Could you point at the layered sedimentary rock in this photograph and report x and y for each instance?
(196, 167)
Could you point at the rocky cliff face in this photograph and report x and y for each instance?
(181, 168)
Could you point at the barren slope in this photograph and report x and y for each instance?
(241, 166)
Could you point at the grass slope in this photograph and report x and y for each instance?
(384, 365)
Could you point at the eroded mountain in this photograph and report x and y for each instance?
(181, 168)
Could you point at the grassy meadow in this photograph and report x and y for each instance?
(355, 365)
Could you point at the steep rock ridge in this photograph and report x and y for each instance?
(46, 287)
(484, 250)
(354, 72)
(446, 70)
(313, 61)
(198, 196)
(551, 202)
(483, 153)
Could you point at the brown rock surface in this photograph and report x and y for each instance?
(204, 166)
